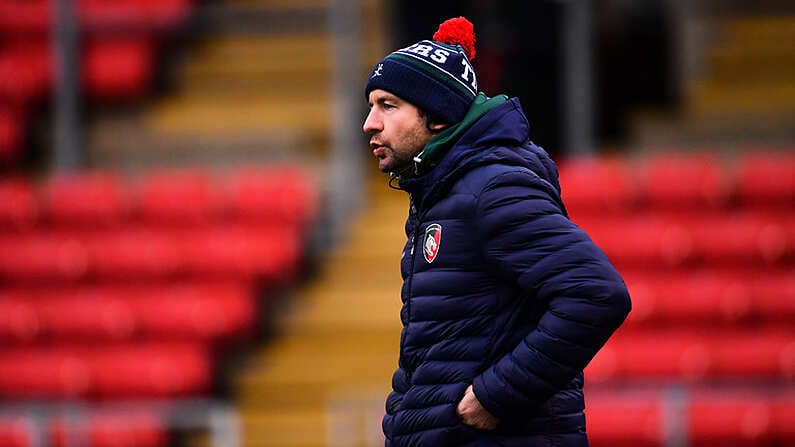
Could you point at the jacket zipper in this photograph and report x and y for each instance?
(415, 227)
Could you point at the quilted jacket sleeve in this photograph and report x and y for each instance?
(529, 241)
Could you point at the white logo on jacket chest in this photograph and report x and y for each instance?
(431, 242)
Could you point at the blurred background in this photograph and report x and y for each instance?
(196, 248)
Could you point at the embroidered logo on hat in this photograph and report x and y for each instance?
(432, 241)
(377, 71)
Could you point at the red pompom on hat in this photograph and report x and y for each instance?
(457, 31)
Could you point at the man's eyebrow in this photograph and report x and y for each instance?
(385, 98)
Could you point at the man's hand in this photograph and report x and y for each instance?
(473, 414)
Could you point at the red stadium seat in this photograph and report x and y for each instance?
(118, 69)
(699, 297)
(151, 370)
(683, 181)
(773, 295)
(34, 16)
(595, 185)
(747, 238)
(646, 239)
(649, 356)
(239, 251)
(767, 353)
(43, 372)
(729, 420)
(615, 422)
(14, 432)
(278, 195)
(88, 313)
(134, 253)
(12, 134)
(696, 354)
(125, 371)
(140, 15)
(25, 72)
(740, 238)
(711, 296)
(179, 197)
(96, 199)
(42, 256)
(782, 407)
(196, 311)
(766, 179)
(19, 205)
(21, 16)
(189, 311)
(19, 320)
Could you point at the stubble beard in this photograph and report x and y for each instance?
(402, 162)
(399, 164)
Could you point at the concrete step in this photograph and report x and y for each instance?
(238, 115)
(258, 56)
(768, 28)
(282, 86)
(130, 142)
(310, 369)
(372, 309)
(355, 425)
(290, 428)
(751, 62)
(710, 98)
(728, 131)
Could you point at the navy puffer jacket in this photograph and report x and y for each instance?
(500, 290)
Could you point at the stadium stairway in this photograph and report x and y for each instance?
(336, 347)
(254, 88)
(743, 91)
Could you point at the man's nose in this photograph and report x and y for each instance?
(371, 124)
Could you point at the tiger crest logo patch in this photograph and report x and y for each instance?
(432, 241)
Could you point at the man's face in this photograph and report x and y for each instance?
(397, 131)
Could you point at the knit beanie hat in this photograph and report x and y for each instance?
(434, 75)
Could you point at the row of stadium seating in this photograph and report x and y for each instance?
(113, 69)
(719, 296)
(23, 18)
(708, 418)
(160, 368)
(698, 354)
(198, 310)
(681, 182)
(119, 43)
(273, 195)
(745, 237)
(221, 251)
(193, 307)
(143, 369)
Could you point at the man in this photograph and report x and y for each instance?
(505, 300)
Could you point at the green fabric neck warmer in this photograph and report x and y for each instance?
(435, 149)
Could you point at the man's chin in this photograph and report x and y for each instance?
(389, 165)
(386, 166)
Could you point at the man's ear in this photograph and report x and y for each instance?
(436, 127)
